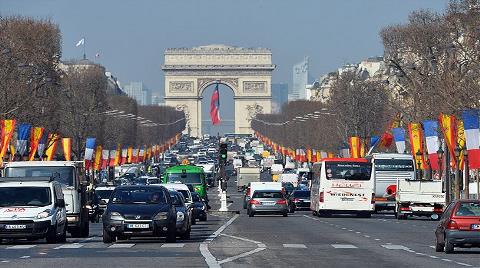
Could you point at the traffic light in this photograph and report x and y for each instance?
(223, 153)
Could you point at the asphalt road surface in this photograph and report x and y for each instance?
(231, 240)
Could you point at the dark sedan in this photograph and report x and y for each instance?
(139, 211)
(200, 209)
(459, 226)
(184, 215)
(299, 200)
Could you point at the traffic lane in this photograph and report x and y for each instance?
(416, 234)
(180, 254)
(300, 241)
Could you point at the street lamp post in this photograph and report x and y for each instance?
(440, 169)
(419, 165)
(467, 174)
(457, 151)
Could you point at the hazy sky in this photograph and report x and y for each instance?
(131, 36)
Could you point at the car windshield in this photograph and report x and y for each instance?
(138, 196)
(104, 194)
(468, 209)
(184, 193)
(184, 177)
(263, 194)
(63, 175)
(24, 196)
(348, 171)
(176, 199)
(301, 194)
(393, 165)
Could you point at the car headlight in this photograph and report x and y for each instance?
(44, 214)
(161, 216)
(180, 216)
(115, 216)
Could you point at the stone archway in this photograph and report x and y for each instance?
(247, 71)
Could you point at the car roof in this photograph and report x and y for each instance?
(175, 186)
(139, 186)
(43, 163)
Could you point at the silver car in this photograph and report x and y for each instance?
(268, 202)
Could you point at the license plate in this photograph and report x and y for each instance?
(15, 226)
(138, 226)
(475, 226)
(268, 203)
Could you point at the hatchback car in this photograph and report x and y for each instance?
(139, 211)
(299, 200)
(184, 215)
(267, 202)
(459, 226)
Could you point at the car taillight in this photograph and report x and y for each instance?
(452, 225)
(373, 198)
(322, 199)
(405, 209)
(438, 209)
(254, 202)
(282, 202)
(296, 200)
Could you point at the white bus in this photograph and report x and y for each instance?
(343, 186)
(389, 169)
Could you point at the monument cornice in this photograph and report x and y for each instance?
(269, 67)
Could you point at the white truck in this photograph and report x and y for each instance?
(288, 177)
(419, 198)
(246, 175)
(70, 174)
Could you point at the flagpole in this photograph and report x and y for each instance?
(84, 54)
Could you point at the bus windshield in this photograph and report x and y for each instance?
(186, 178)
(394, 165)
(348, 171)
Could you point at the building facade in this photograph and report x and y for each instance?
(279, 96)
(300, 81)
(139, 92)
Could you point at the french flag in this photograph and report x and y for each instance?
(431, 138)
(89, 150)
(399, 136)
(472, 136)
(215, 106)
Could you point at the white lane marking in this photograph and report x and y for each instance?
(209, 258)
(447, 260)
(21, 247)
(241, 255)
(74, 245)
(377, 239)
(431, 246)
(343, 228)
(433, 257)
(25, 257)
(42, 253)
(358, 232)
(395, 247)
(464, 264)
(177, 245)
(229, 204)
(241, 238)
(294, 246)
(121, 246)
(367, 236)
(5, 261)
(343, 246)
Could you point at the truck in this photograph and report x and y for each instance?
(276, 170)
(246, 175)
(288, 177)
(72, 178)
(419, 198)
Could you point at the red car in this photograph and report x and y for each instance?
(459, 226)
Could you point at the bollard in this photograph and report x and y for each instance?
(223, 201)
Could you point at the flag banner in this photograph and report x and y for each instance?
(215, 106)
(89, 151)
(330, 155)
(35, 137)
(355, 145)
(386, 140)
(105, 158)
(416, 143)
(472, 137)
(345, 152)
(130, 155)
(124, 156)
(399, 136)
(97, 164)
(23, 135)
(42, 144)
(363, 148)
(113, 158)
(323, 154)
(432, 142)
(141, 155)
(51, 146)
(135, 155)
(67, 148)
(8, 127)
(460, 141)
(447, 125)
(374, 140)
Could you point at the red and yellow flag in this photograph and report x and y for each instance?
(129, 154)
(35, 137)
(8, 127)
(67, 148)
(447, 124)
(416, 142)
(461, 141)
(355, 147)
(118, 155)
(52, 146)
(98, 158)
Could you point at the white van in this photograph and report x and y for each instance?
(181, 188)
(259, 185)
(343, 185)
(32, 208)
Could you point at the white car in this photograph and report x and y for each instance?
(32, 208)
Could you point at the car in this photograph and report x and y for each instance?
(184, 214)
(298, 200)
(139, 211)
(268, 202)
(459, 226)
(200, 208)
(32, 208)
(104, 192)
(153, 180)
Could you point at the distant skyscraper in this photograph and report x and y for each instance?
(157, 100)
(300, 81)
(139, 92)
(279, 96)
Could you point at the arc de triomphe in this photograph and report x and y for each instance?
(247, 71)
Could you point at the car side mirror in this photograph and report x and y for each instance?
(60, 203)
